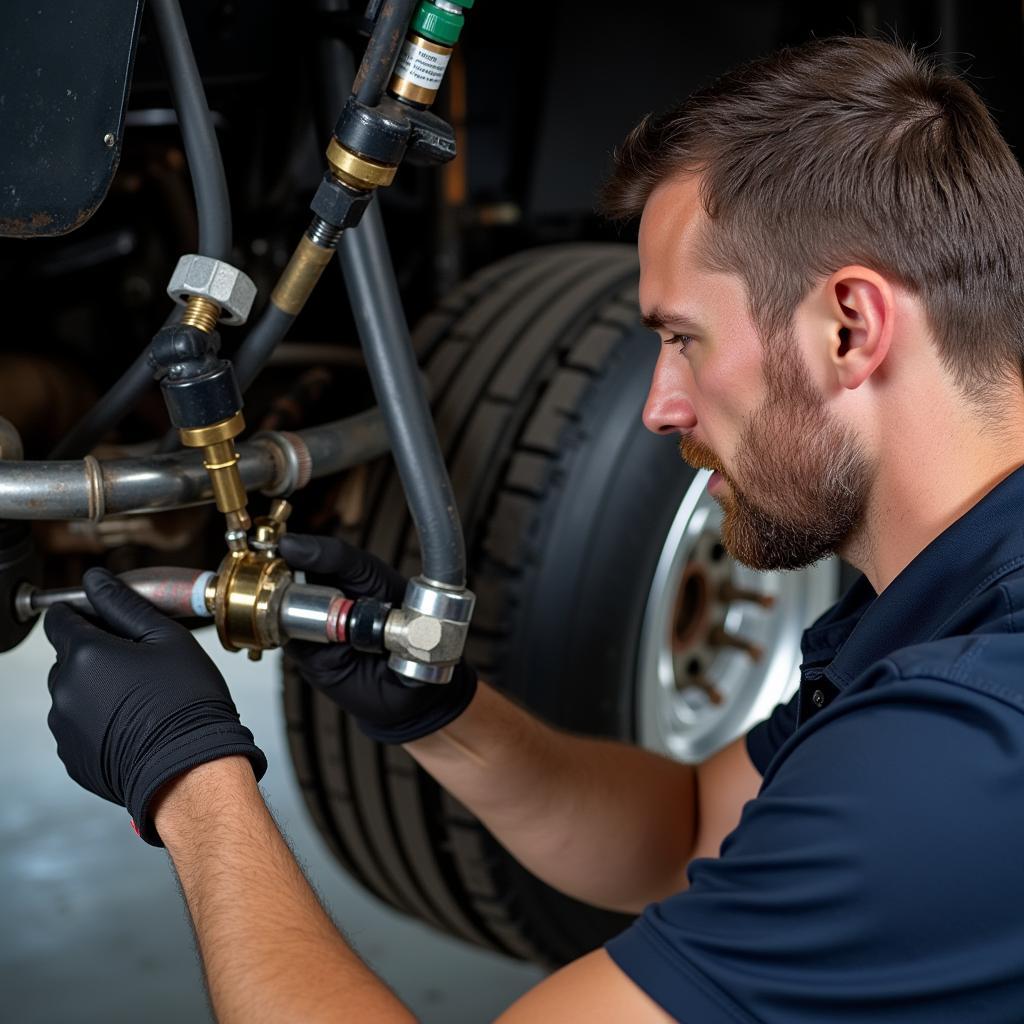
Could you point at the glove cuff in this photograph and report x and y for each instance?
(219, 739)
(455, 696)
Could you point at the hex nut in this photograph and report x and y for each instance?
(423, 633)
(340, 206)
(423, 638)
(217, 281)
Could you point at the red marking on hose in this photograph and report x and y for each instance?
(337, 620)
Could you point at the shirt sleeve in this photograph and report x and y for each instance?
(766, 737)
(876, 878)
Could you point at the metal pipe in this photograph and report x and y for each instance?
(175, 591)
(382, 50)
(260, 342)
(391, 362)
(273, 463)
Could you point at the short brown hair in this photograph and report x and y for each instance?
(852, 150)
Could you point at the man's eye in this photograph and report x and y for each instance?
(682, 340)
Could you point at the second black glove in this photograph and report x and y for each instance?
(387, 707)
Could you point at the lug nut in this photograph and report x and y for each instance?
(701, 683)
(721, 637)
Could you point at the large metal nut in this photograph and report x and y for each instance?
(423, 638)
(217, 281)
(340, 206)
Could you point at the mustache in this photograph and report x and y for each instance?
(699, 455)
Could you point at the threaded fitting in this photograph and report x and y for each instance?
(201, 313)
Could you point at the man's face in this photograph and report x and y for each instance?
(791, 478)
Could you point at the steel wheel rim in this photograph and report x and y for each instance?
(680, 669)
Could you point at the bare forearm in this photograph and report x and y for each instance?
(599, 820)
(269, 950)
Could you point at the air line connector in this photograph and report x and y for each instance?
(369, 143)
(200, 391)
(426, 636)
(435, 30)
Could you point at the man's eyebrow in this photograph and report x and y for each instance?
(660, 318)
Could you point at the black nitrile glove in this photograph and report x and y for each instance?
(387, 707)
(136, 700)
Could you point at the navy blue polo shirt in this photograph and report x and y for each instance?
(879, 874)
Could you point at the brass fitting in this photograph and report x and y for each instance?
(249, 588)
(201, 313)
(299, 278)
(221, 461)
(356, 171)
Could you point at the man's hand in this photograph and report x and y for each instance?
(387, 708)
(136, 701)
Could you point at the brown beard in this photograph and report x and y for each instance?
(801, 479)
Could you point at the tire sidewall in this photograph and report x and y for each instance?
(606, 524)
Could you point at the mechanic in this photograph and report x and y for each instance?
(831, 247)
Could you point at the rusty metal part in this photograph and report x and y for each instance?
(274, 463)
(176, 591)
(408, 90)
(201, 313)
(293, 460)
(299, 277)
(701, 682)
(356, 171)
(721, 637)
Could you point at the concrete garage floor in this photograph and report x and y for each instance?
(93, 928)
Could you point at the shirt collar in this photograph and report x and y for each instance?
(984, 544)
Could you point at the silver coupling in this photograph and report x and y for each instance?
(427, 635)
(206, 278)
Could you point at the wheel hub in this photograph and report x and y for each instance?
(720, 644)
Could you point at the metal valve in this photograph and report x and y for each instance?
(257, 605)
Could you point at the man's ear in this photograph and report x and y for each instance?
(862, 308)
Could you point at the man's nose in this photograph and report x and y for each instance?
(668, 410)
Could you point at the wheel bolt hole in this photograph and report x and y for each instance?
(717, 553)
(693, 667)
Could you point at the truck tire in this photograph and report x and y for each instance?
(594, 554)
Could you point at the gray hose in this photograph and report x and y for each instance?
(108, 411)
(260, 342)
(377, 307)
(201, 149)
(381, 53)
